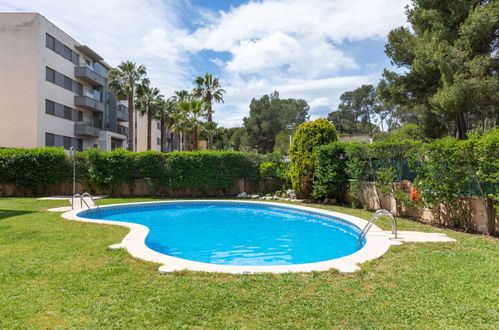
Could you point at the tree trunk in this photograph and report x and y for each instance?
(461, 126)
(130, 122)
(149, 121)
(162, 135)
(210, 119)
(194, 138)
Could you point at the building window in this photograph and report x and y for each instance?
(67, 113)
(67, 83)
(49, 107)
(80, 144)
(66, 142)
(80, 116)
(159, 141)
(49, 140)
(49, 41)
(67, 53)
(49, 74)
(158, 125)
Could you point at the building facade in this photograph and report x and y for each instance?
(53, 90)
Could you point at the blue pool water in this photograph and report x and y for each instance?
(231, 233)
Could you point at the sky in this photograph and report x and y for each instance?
(310, 49)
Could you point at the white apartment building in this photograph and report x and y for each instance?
(53, 90)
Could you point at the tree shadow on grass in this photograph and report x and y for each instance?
(4, 214)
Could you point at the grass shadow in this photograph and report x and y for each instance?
(4, 214)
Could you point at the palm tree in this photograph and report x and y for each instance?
(181, 95)
(189, 117)
(166, 115)
(123, 81)
(209, 89)
(148, 101)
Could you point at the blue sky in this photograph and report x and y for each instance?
(314, 49)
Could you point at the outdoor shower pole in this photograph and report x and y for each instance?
(72, 153)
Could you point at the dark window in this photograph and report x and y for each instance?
(49, 140)
(158, 125)
(49, 41)
(67, 83)
(49, 107)
(79, 144)
(80, 116)
(77, 88)
(159, 140)
(67, 53)
(67, 112)
(66, 142)
(75, 58)
(49, 74)
(59, 78)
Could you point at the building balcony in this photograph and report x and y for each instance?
(86, 129)
(122, 130)
(89, 76)
(89, 103)
(121, 113)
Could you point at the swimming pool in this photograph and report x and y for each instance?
(238, 236)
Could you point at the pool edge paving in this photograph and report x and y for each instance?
(376, 243)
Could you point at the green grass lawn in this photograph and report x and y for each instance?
(56, 273)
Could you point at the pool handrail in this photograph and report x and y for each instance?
(374, 218)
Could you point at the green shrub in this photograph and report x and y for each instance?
(209, 169)
(330, 173)
(307, 138)
(34, 168)
(108, 170)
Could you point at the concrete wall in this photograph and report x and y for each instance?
(18, 81)
(471, 214)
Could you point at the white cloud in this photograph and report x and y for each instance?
(292, 46)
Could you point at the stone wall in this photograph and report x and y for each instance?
(470, 215)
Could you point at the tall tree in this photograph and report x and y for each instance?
(359, 111)
(450, 57)
(210, 90)
(148, 102)
(189, 117)
(166, 115)
(270, 115)
(123, 81)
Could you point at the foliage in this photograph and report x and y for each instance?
(34, 168)
(308, 136)
(149, 102)
(123, 82)
(209, 89)
(358, 111)
(330, 175)
(270, 115)
(407, 132)
(449, 56)
(189, 118)
(110, 169)
(282, 144)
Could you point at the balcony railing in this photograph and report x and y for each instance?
(89, 103)
(122, 130)
(86, 129)
(89, 75)
(121, 112)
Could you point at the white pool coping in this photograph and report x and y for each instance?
(377, 243)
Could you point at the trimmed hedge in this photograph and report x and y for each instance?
(108, 170)
(443, 170)
(34, 168)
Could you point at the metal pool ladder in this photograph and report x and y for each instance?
(374, 218)
(82, 200)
